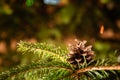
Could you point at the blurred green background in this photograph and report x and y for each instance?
(58, 23)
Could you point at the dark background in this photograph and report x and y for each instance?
(58, 23)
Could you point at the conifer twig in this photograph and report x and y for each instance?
(93, 68)
(98, 68)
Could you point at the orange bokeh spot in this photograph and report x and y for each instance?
(102, 29)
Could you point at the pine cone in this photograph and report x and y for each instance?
(79, 53)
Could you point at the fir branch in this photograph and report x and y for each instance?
(43, 49)
(29, 68)
(98, 68)
(84, 72)
(53, 64)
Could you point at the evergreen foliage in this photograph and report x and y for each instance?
(53, 65)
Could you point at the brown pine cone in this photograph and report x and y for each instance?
(79, 53)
